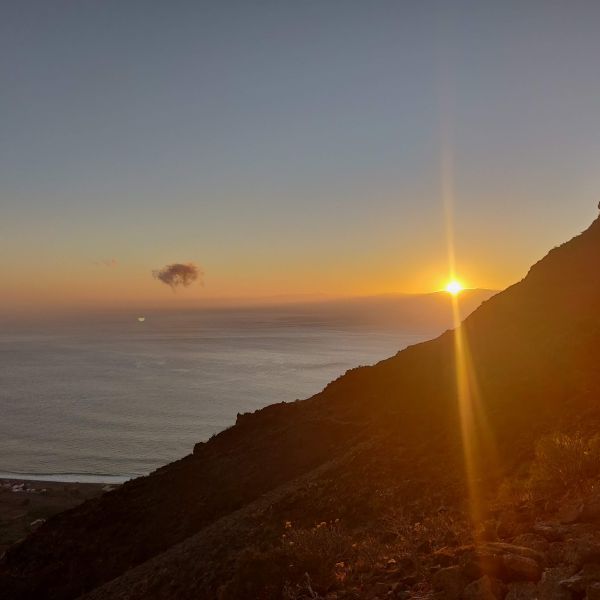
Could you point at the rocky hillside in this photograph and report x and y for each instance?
(354, 492)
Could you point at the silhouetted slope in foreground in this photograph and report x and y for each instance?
(380, 438)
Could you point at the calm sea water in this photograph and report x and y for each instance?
(116, 398)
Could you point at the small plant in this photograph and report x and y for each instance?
(324, 551)
(432, 532)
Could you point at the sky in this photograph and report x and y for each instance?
(289, 149)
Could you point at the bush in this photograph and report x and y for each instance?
(564, 462)
(430, 533)
(314, 561)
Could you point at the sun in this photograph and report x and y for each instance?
(454, 287)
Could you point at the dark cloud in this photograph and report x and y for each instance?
(179, 274)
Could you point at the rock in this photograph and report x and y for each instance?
(409, 580)
(578, 583)
(510, 524)
(552, 532)
(444, 557)
(451, 581)
(487, 559)
(482, 562)
(524, 551)
(593, 592)
(381, 589)
(521, 568)
(549, 587)
(590, 513)
(534, 541)
(522, 590)
(507, 562)
(582, 550)
(485, 588)
(570, 513)
(556, 554)
(406, 564)
(37, 523)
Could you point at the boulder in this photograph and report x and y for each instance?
(482, 561)
(553, 532)
(590, 513)
(520, 550)
(444, 557)
(581, 550)
(484, 588)
(570, 513)
(521, 590)
(549, 587)
(450, 581)
(521, 568)
(593, 592)
(579, 583)
(500, 560)
(534, 541)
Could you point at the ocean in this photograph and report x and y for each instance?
(113, 398)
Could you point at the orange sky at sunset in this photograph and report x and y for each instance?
(300, 165)
(390, 267)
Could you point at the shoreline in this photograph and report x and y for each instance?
(67, 477)
(27, 501)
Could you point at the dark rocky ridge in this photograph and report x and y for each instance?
(381, 435)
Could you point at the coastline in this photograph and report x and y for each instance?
(67, 477)
(27, 501)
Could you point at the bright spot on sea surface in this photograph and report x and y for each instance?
(454, 287)
(141, 319)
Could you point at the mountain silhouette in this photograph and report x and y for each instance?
(396, 434)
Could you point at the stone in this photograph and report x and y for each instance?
(510, 524)
(578, 583)
(590, 512)
(552, 532)
(556, 554)
(534, 541)
(521, 568)
(570, 513)
(504, 548)
(485, 559)
(593, 592)
(485, 588)
(581, 550)
(444, 557)
(406, 564)
(521, 590)
(549, 587)
(451, 581)
(381, 588)
(35, 524)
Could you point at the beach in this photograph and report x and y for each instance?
(26, 504)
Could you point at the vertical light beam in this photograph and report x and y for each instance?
(476, 437)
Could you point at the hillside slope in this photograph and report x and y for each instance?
(380, 436)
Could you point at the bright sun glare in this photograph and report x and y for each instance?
(454, 287)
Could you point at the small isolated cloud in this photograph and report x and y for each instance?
(179, 274)
(107, 262)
